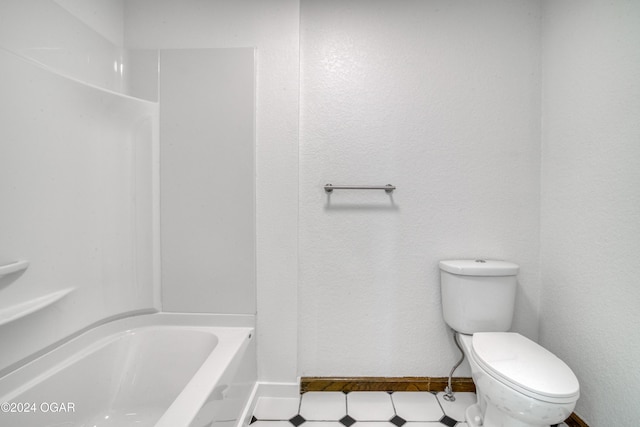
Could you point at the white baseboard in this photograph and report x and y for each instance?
(278, 389)
(266, 389)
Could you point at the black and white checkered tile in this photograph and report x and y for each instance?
(366, 409)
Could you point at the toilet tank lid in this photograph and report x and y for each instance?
(479, 267)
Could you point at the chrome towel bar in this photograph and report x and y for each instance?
(388, 188)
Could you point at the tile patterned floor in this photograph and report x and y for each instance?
(363, 409)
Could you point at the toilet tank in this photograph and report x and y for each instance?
(478, 295)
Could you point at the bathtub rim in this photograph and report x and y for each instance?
(94, 337)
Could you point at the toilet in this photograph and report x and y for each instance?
(518, 382)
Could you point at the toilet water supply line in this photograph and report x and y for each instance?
(448, 390)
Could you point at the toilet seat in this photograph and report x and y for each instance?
(520, 363)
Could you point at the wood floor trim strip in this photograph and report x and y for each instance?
(346, 385)
(575, 421)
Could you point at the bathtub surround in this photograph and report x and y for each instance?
(80, 39)
(77, 167)
(101, 147)
(66, 28)
(207, 180)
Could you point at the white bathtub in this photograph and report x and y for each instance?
(162, 370)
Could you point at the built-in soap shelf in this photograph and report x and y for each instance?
(15, 312)
(13, 267)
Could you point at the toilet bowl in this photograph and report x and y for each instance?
(518, 382)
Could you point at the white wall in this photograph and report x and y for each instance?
(441, 99)
(272, 28)
(591, 202)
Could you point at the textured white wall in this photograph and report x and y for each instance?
(591, 202)
(272, 28)
(442, 99)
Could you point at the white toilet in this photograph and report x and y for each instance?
(518, 382)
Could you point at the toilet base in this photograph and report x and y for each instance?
(493, 418)
(473, 416)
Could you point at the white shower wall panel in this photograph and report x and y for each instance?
(76, 184)
(207, 180)
(81, 39)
